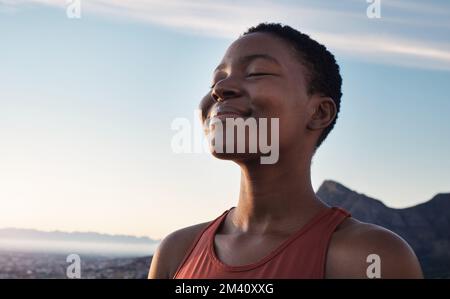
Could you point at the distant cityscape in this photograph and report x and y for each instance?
(27, 253)
(27, 265)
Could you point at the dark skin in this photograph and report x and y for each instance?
(275, 200)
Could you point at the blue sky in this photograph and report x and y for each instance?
(86, 107)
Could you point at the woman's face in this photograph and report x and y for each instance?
(260, 77)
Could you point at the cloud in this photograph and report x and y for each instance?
(391, 50)
(344, 28)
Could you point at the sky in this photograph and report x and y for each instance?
(87, 105)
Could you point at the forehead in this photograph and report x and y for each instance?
(264, 44)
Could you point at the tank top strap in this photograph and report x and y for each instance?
(204, 234)
(326, 228)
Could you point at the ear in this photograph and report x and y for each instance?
(322, 112)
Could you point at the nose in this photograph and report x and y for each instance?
(205, 105)
(224, 90)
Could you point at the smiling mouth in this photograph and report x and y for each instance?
(225, 111)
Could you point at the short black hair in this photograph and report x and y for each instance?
(324, 77)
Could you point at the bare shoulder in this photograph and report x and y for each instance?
(172, 249)
(363, 250)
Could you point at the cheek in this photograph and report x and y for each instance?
(277, 101)
(291, 115)
(287, 103)
(268, 100)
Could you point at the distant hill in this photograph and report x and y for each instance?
(84, 243)
(426, 227)
(31, 234)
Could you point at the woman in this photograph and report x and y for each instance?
(279, 228)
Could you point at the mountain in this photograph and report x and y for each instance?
(84, 243)
(31, 234)
(426, 227)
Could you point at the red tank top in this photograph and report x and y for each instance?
(302, 255)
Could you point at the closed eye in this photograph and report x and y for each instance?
(258, 74)
(250, 75)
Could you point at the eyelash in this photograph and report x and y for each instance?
(257, 74)
(249, 75)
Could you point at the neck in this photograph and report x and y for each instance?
(275, 197)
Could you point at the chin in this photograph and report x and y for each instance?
(237, 157)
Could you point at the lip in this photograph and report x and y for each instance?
(224, 115)
(228, 111)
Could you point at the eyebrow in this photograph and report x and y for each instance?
(247, 59)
